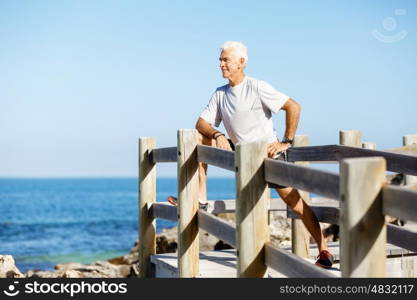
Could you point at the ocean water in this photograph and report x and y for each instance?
(44, 222)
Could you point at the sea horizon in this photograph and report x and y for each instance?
(49, 221)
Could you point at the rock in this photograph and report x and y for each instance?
(68, 266)
(8, 268)
(71, 274)
(166, 241)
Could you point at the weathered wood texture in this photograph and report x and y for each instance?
(217, 227)
(396, 162)
(160, 155)
(188, 241)
(351, 138)
(312, 153)
(216, 157)
(369, 145)
(399, 202)
(300, 236)
(164, 211)
(291, 265)
(147, 196)
(325, 214)
(410, 140)
(362, 224)
(402, 237)
(251, 209)
(304, 178)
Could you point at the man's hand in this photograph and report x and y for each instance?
(275, 147)
(222, 143)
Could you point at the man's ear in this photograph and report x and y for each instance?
(242, 61)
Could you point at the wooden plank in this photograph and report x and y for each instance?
(216, 157)
(402, 237)
(251, 209)
(362, 224)
(312, 153)
(164, 211)
(168, 154)
(410, 140)
(399, 202)
(308, 179)
(351, 138)
(229, 206)
(325, 214)
(396, 162)
(291, 265)
(188, 238)
(147, 196)
(300, 236)
(217, 227)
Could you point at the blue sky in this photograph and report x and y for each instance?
(81, 81)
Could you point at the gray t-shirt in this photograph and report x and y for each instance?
(246, 110)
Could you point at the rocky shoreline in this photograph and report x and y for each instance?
(127, 265)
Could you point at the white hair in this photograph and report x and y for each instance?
(240, 49)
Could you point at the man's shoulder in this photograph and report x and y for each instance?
(221, 89)
(253, 81)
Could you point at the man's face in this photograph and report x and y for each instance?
(230, 64)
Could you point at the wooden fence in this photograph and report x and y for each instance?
(360, 187)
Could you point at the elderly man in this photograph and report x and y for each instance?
(245, 105)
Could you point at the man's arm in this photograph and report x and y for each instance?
(292, 116)
(205, 128)
(208, 131)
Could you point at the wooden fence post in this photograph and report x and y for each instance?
(369, 145)
(408, 140)
(251, 209)
(188, 237)
(147, 196)
(362, 225)
(300, 237)
(351, 138)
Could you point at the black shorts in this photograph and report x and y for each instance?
(279, 156)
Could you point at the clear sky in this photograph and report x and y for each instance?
(81, 81)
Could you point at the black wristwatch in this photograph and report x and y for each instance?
(287, 141)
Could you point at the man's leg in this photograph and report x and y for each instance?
(202, 169)
(293, 199)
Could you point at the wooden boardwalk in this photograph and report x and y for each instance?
(222, 264)
(363, 196)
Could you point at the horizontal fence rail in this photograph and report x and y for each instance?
(303, 178)
(217, 227)
(312, 153)
(402, 237)
(216, 157)
(325, 214)
(163, 211)
(399, 202)
(396, 162)
(291, 265)
(168, 154)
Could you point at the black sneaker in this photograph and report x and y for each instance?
(325, 259)
(174, 201)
